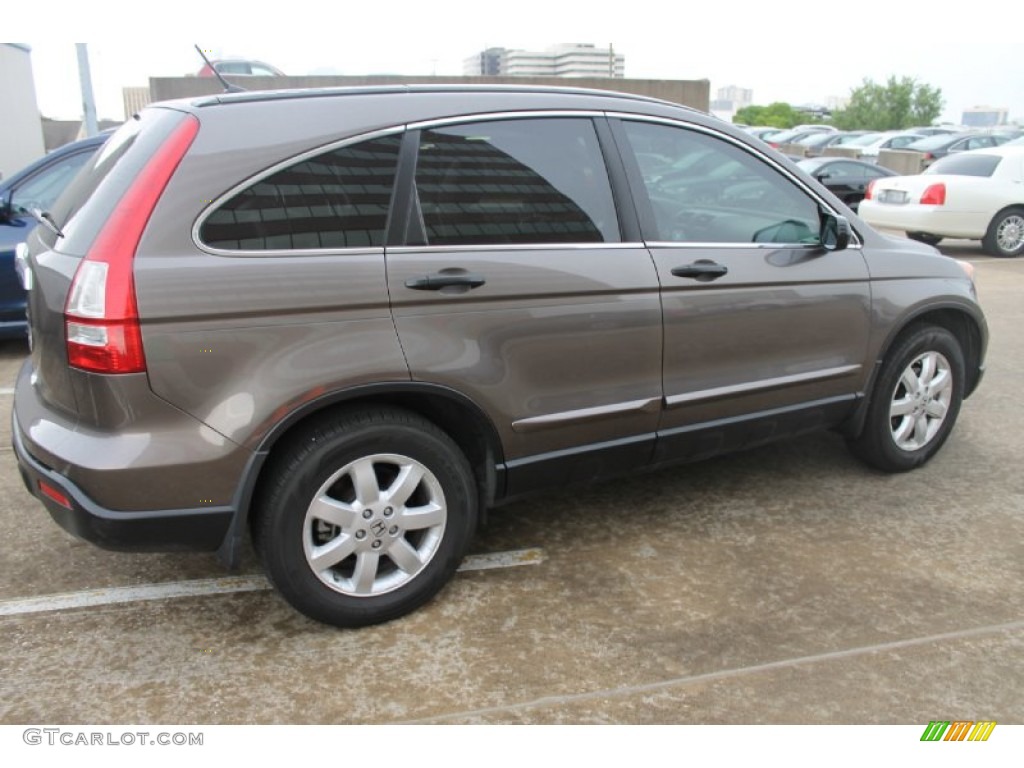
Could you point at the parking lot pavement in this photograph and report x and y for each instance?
(784, 585)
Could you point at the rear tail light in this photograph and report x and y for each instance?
(101, 316)
(870, 191)
(929, 156)
(934, 195)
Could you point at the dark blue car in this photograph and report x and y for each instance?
(36, 186)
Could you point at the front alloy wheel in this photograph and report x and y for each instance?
(921, 401)
(915, 400)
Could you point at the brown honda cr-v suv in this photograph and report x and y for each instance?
(348, 321)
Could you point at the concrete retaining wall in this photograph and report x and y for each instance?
(904, 162)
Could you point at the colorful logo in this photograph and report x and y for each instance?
(958, 730)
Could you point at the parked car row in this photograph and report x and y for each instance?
(932, 142)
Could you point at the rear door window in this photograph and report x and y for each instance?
(336, 199)
(514, 182)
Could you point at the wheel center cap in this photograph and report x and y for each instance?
(378, 528)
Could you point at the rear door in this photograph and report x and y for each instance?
(519, 287)
(765, 331)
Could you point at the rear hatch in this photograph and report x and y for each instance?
(101, 216)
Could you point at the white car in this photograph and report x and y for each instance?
(870, 151)
(976, 195)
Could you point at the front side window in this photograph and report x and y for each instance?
(512, 182)
(707, 190)
(338, 199)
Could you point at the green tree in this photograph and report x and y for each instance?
(897, 104)
(780, 115)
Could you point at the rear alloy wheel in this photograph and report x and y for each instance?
(366, 517)
(1005, 236)
(915, 401)
(924, 237)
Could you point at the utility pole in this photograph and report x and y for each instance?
(88, 102)
(611, 59)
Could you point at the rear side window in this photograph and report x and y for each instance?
(965, 165)
(337, 199)
(514, 182)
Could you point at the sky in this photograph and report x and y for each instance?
(804, 53)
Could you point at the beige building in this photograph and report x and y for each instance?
(135, 98)
(22, 125)
(564, 60)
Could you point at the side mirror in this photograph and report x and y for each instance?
(835, 232)
(823, 175)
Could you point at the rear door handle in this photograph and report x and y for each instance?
(703, 270)
(441, 280)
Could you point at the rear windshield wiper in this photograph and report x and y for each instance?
(44, 218)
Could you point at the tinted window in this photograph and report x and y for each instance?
(711, 191)
(902, 141)
(87, 202)
(338, 199)
(965, 165)
(233, 67)
(42, 190)
(844, 170)
(818, 139)
(514, 182)
(940, 141)
(865, 140)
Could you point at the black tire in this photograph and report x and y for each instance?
(1010, 221)
(368, 449)
(924, 237)
(880, 444)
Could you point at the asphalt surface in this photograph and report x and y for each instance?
(784, 585)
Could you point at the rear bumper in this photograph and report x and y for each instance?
(165, 530)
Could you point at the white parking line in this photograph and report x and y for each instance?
(602, 695)
(6, 390)
(226, 585)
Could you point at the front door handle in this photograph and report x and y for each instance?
(702, 270)
(441, 280)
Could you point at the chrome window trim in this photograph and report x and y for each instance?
(762, 156)
(398, 249)
(258, 177)
(673, 401)
(661, 244)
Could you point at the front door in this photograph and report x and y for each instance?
(766, 332)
